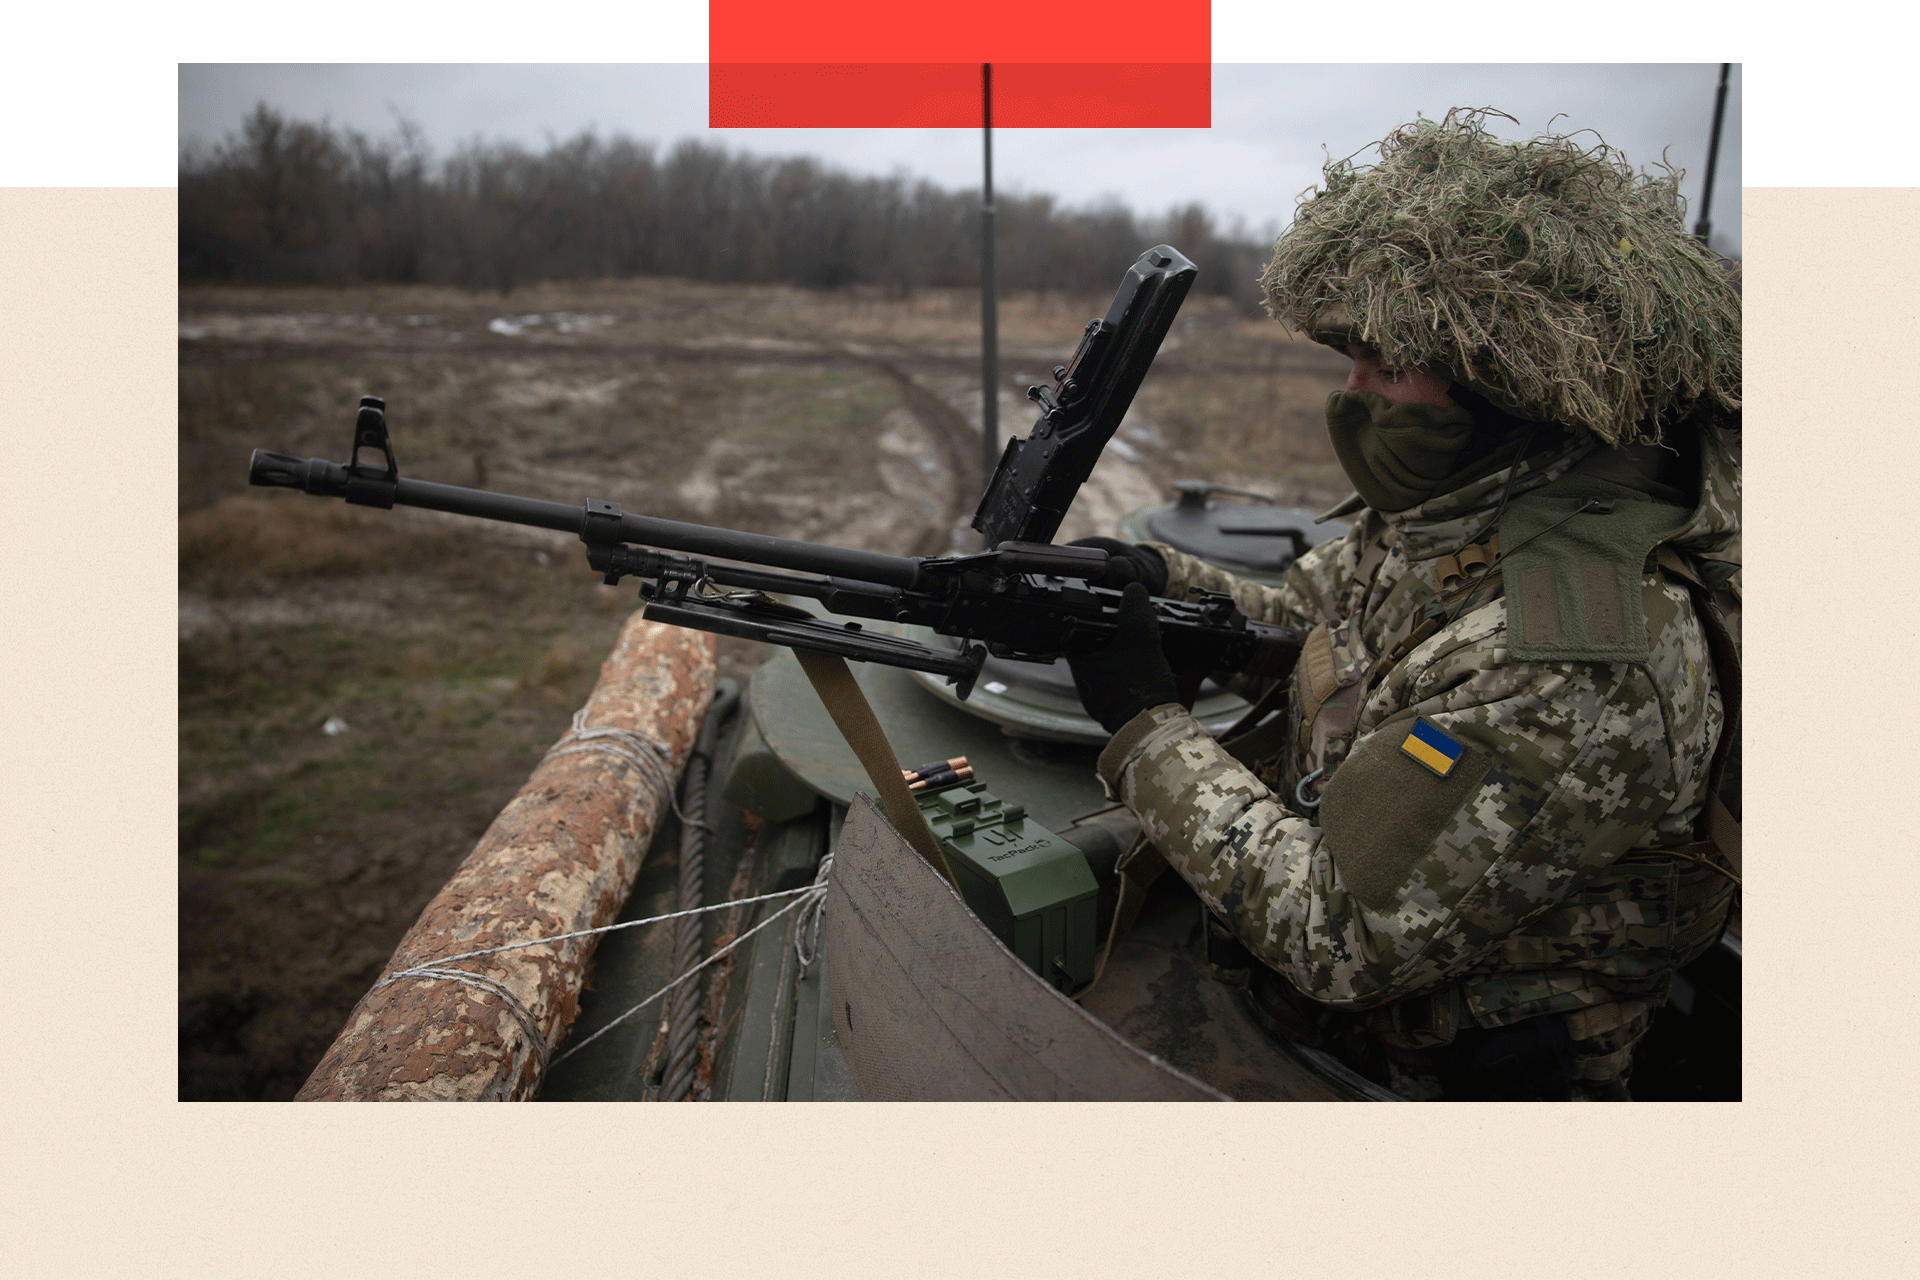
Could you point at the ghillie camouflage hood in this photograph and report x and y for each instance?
(1553, 280)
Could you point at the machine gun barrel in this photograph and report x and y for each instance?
(1022, 597)
(1019, 600)
(594, 521)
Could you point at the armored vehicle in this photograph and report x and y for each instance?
(784, 794)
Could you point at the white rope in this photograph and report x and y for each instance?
(717, 955)
(646, 754)
(437, 968)
(585, 933)
(806, 929)
(528, 1023)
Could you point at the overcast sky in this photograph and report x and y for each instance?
(1270, 122)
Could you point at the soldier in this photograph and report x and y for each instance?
(1484, 820)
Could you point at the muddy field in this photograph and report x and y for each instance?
(361, 691)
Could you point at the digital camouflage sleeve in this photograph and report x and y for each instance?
(1469, 791)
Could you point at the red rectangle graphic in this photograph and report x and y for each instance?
(860, 31)
(948, 95)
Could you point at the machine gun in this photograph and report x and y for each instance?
(1022, 599)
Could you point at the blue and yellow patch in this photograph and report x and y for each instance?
(1434, 750)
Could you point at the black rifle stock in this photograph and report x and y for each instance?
(1022, 599)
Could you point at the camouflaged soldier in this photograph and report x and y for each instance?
(1478, 833)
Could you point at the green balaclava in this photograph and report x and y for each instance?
(1397, 455)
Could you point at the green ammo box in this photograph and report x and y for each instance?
(1030, 887)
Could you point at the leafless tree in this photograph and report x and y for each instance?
(284, 200)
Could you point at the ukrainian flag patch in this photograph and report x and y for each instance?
(1434, 750)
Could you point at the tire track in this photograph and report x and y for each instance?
(959, 440)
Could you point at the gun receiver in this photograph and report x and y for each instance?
(1023, 599)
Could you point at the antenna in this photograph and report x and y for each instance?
(989, 313)
(1704, 227)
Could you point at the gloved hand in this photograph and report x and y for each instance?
(1128, 563)
(1120, 681)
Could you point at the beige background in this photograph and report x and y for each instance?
(105, 1172)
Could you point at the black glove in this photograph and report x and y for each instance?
(1128, 563)
(1130, 674)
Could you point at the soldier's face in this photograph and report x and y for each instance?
(1397, 385)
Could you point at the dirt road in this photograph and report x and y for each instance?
(361, 691)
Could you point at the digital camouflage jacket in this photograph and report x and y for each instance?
(1485, 801)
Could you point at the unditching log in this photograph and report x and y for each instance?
(561, 857)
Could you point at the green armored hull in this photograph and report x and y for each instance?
(1155, 1010)
(964, 1009)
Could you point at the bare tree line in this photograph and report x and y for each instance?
(289, 201)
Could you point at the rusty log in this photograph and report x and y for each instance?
(562, 856)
